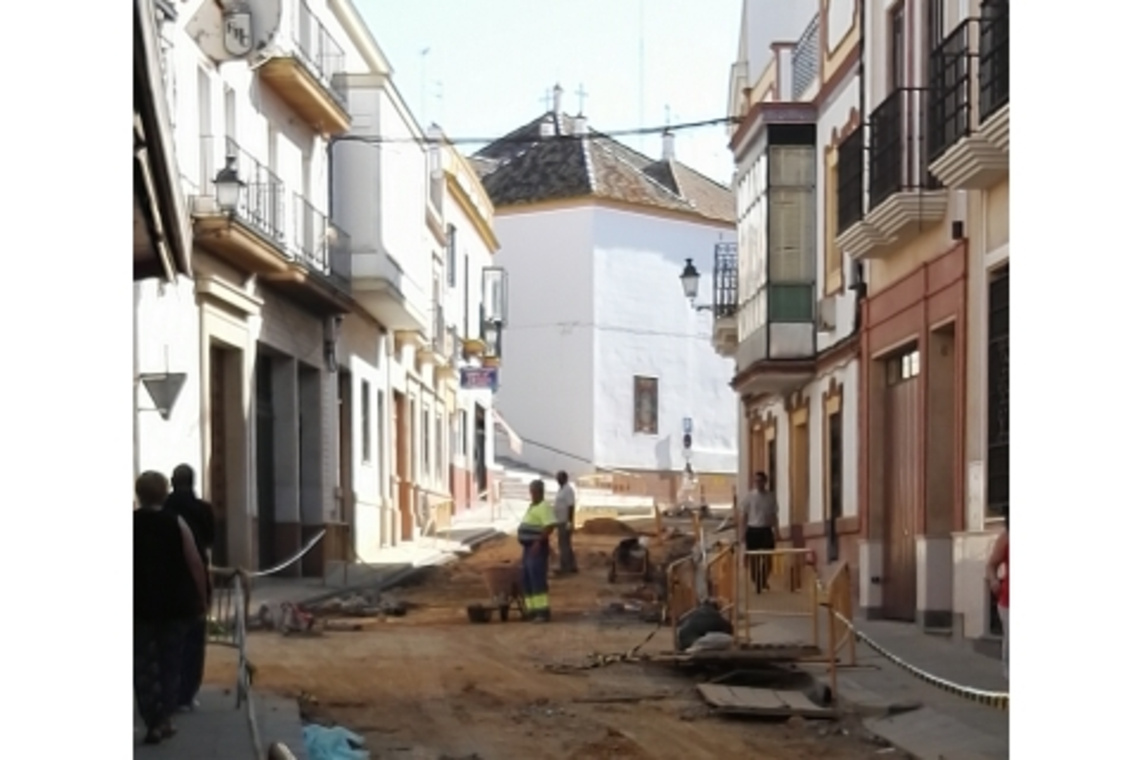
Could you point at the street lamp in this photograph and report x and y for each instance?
(228, 185)
(690, 280)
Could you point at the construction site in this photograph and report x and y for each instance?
(670, 642)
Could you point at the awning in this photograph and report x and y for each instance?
(158, 187)
(513, 438)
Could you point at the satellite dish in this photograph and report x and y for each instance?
(236, 32)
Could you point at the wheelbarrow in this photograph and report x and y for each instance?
(504, 583)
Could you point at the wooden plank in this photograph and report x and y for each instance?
(800, 704)
(752, 701)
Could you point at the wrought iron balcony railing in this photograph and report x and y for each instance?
(261, 199)
(805, 59)
(898, 151)
(849, 193)
(952, 71)
(725, 280)
(993, 57)
(323, 248)
(319, 51)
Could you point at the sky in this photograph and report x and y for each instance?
(490, 64)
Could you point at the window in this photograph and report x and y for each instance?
(365, 421)
(645, 405)
(935, 23)
(466, 296)
(997, 397)
(451, 262)
(833, 468)
(791, 233)
(903, 367)
(462, 444)
(898, 46)
(440, 448)
(380, 440)
(425, 440)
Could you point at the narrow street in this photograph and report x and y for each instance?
(432, 685)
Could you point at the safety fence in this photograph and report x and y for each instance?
(227, 625)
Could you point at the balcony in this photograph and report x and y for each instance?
(778, 354)
(321, 262)
(437, 351)
(309, 78)
(725, 279)
(903, 197)
(969, 115)
(252, 236)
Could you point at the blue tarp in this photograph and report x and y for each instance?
(335, 743)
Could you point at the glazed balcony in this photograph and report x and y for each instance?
(903, 198)
(309, 76)
(969, 114)
(438, 350)
(725, 298)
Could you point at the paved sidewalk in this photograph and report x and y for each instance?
(219, 731)
(946, 726)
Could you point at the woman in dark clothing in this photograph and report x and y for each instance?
(170, 593)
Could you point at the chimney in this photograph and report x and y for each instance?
(546, 128)
(557, 109)
(580, 127)
(666, 145)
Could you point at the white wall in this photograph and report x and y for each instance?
(773, 21)
(364, 346)
(547, 378)
(643, 325)
(168, 334)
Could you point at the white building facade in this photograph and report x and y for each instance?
(609, 360)
(421, 238)
(264, 412)
(788, 306)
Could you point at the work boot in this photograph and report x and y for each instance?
(541, 616)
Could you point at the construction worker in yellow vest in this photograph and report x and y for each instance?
(534, 535)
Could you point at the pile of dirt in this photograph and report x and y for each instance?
(606, 526)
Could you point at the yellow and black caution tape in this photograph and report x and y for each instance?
(999, 700)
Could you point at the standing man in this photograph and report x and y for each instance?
(534, 535)
(199, 516)
(564, 514)
(762, 520)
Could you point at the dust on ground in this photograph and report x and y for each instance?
(431, 685)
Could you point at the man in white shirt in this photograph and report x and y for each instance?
(564, 504)
(762, 525)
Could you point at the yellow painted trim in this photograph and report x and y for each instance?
(763, 82)
(799, 417)
(833, 59)
(472, 213)
(832, 255)
(636, 208)
(834, 404)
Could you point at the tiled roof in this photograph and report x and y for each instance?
(525, 167)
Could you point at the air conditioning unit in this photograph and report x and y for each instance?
(825, 314)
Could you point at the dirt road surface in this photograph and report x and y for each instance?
(430, 685)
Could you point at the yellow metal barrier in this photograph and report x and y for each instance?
(683, 594)
(779, 598)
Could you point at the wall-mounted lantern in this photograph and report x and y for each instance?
(228, 185)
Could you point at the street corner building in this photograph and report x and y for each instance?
(613, 369)
(869, 321)
(300, 352)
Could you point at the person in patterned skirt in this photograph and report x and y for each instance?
(170, 593)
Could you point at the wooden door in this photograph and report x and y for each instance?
(217, 463)
(902, 498)
(403, 466)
